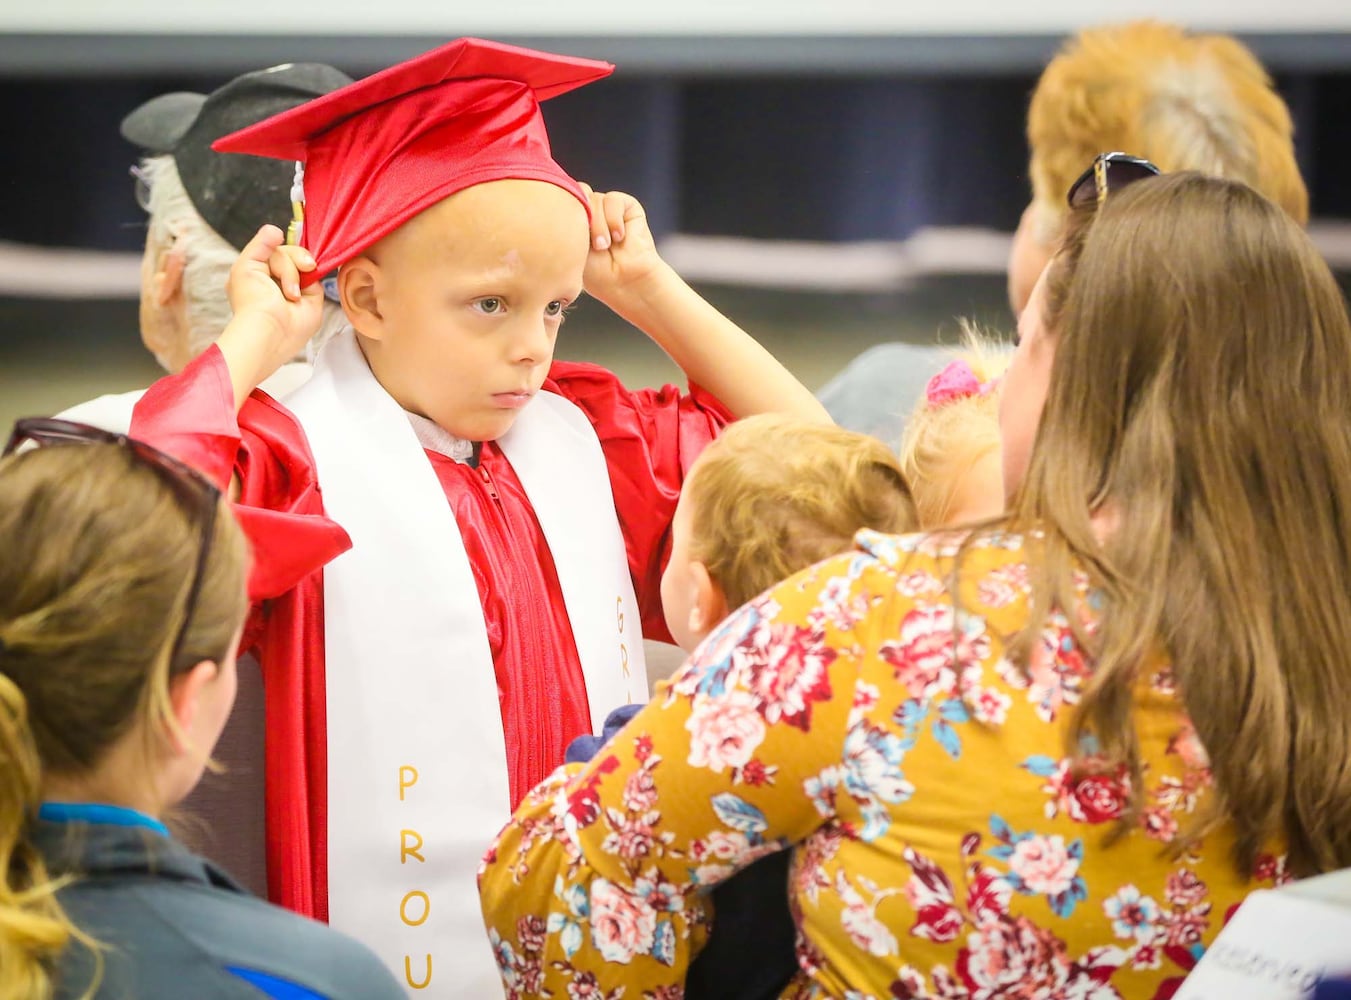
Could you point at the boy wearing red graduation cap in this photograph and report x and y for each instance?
(459, 542)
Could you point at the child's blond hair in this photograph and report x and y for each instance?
(954, 426)
(773, 495)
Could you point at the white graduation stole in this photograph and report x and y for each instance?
(417, 776)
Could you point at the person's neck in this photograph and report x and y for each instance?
(117, 781)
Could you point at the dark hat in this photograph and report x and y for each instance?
(380, 151)
(233, 193)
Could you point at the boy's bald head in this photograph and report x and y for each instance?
(459, 309)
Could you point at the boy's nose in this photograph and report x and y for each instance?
(533, 342)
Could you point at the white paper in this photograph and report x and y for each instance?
(1278, 946)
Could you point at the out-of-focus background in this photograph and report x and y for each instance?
(832, 175)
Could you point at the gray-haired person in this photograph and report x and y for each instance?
(202, 208)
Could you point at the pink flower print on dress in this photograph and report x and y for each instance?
(1184, 888)
(1041, 865)
(1014, 959)
(1160, 824)
(1044, 865)
(727, 846)
(792, 674)
(1187, 928)
(839, 606)
(530, 932)
(585, 987)
(640, 791)
(583, 803)
(631, 837)
(725, 732)
(1001, 587)
(989, 705)
(923, 656)
(622, 925)
(918, 584)
(866, 697)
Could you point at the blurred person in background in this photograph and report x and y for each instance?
(1183, 101)
(202, 208)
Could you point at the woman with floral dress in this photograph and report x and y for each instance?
(1048, 757)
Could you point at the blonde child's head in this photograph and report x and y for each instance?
(950, 450)
(773, 495)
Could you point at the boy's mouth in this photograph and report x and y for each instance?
(512, 400)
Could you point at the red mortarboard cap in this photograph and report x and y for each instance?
(379, 151)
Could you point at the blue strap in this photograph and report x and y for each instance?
(272, 986)
(99, 812)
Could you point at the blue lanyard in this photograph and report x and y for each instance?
(98, 812)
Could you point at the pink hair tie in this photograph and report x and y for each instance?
(956, 381)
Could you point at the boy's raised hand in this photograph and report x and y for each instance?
(623, 254)
(625, 272)
(273, 316)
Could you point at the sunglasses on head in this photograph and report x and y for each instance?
(1110, 172)
(199, 495)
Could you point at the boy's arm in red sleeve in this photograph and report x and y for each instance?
(651, 438)
(191, 416)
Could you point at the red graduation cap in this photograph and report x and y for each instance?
(379, 151)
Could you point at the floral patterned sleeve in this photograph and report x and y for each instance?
(596, 881)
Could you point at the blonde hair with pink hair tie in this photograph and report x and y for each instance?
(955, 382)
(950, 448)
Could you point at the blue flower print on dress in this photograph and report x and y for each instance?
(871, 775)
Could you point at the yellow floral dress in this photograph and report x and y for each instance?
(941, 848)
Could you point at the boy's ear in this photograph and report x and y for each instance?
(358, 290)
(708, 604)
(185, 697)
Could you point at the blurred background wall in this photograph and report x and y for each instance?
(832, 174)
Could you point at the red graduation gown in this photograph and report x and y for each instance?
(650, 438)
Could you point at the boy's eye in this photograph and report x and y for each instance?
(554, 308)
(490, 305)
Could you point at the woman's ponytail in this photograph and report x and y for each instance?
(33, 928)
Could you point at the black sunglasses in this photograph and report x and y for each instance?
(1109, 172)
(198, 494)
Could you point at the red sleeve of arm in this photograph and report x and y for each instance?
(191, 416)
(651, 437)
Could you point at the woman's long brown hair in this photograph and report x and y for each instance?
(1200, 404)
